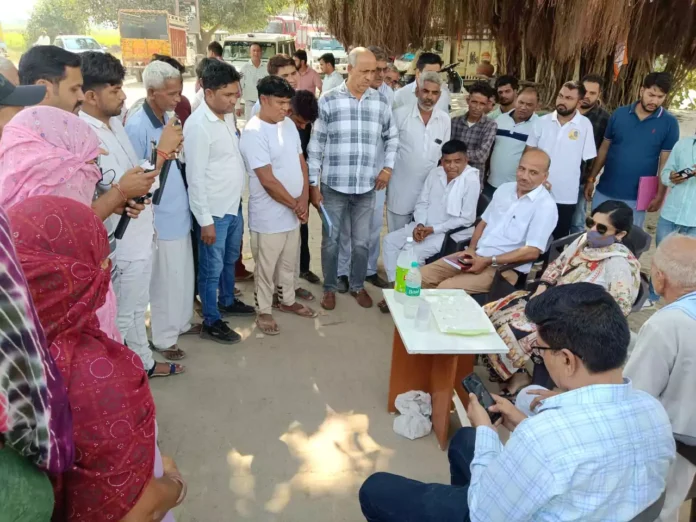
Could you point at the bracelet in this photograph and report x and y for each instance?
(162, 154)
(118, 187)
(179, 480)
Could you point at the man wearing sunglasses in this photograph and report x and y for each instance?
(598, 451)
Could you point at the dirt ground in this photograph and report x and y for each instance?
(286, 428)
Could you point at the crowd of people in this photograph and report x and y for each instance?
(109, 210)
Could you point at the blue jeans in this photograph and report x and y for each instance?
(358, 208)
(216, 265)
(638, 215)
(665, 228)
(390, 498)
(578, 223)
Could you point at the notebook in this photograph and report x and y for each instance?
(647, 190)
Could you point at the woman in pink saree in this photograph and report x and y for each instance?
(46, 151)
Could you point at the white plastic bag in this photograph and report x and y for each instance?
(415, 408)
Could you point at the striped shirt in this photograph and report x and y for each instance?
(599, 452)
(343, 152)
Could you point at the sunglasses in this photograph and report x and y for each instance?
(537, 358)
(591, 223)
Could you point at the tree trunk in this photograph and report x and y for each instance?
(206, 37)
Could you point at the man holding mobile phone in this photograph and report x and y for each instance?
(584, 455)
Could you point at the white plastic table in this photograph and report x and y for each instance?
(432, 361)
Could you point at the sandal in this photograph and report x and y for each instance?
(267, 326)
(383, 306)
(302, 311)
(195, 329)
(174, 369)
(304, 294)
(174, 353)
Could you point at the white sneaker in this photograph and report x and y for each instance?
(648, 305)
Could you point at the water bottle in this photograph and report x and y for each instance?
(413, 290)
(403, 265)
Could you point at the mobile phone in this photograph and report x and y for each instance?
(473, 384)
(688, 172)
(465, 261)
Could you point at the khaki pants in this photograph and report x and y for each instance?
(274, 252)
(441, 274)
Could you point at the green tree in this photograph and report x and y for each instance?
(236, 15)
(57, 17)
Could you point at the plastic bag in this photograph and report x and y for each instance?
(415, 408)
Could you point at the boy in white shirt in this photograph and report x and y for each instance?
(447, 201)
(278, 200)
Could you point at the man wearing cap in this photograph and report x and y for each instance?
(14, 99)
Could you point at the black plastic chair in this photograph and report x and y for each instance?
(638, 241)
(449, 245)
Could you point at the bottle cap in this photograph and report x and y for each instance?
(414, 264)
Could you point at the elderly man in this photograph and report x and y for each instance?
(392, 77)
(172, 282)
(427, 62)
(104, 98)
(344, 253)
(663, 363)
(423, 129)
(354, 123)
(515, 228)
(13, 99)
(601, 449)
(59, 71)
(252, 72)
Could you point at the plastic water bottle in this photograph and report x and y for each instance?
(413, 290)
(403, 265)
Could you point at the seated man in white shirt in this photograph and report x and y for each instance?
(599, 451)
(278, 200)
(447, 201)
(516, 227)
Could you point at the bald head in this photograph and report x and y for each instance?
(362, 67)
(533, 170)
(674, 266)
(9, 71)
(539, 155)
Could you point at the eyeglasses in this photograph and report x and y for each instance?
(536, 350)
(591, 223)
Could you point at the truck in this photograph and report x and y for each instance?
(146, 32)
(319, 44)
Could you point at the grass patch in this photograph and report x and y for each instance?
(15, 41)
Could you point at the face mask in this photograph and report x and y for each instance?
(597, 240)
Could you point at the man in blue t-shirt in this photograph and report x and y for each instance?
(637, 143)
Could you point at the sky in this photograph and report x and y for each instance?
(13, 11)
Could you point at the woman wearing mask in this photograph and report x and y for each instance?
(118, 473)
(35, 422)
(598, 256)
(48, 151)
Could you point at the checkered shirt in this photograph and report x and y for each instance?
(343, 152)
(479, 139)
(599, 452)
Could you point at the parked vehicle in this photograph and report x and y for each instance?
(78, 43)
(321, 43)
(281, 24)
(144, 33)
(302, 36)
(235, 49)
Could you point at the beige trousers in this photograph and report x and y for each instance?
(441, 274)
(274, 253)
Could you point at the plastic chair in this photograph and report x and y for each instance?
(652, 512)
(638, 241)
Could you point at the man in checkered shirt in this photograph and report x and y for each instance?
(354, 120)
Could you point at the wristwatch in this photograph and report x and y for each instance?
(494, 262)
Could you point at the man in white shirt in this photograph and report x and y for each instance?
(332, 78)
(423, 129)
(514, 128)
(427, 62)
(381, 73)
(344, 252)
(516, 227)
(568, 138)
(251, 72)
(104, 97)
(663, 362)
(447, 201)
(278, 201)
(215, 173)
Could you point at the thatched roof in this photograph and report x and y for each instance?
(552, 36)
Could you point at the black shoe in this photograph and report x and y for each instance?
(237, 308)
(220, 333)
(343, 284)
(310, 277)
(377, 281)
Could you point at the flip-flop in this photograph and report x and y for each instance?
(172, 371)
(304, 294)
(171, 354)
(266, 329)
(305, 311)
